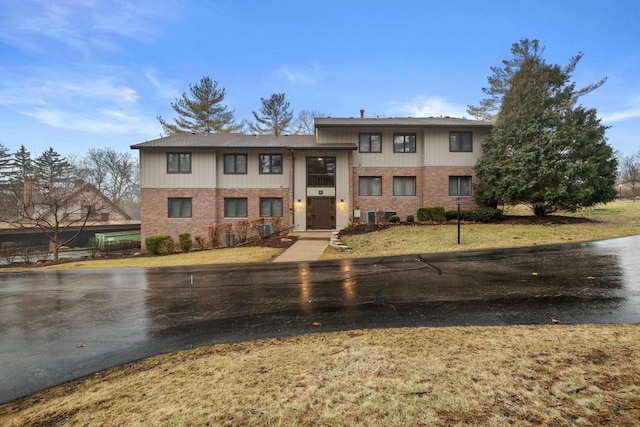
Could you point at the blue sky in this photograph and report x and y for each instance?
(81, 74)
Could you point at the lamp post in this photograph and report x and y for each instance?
(620, 188)
(458, 201)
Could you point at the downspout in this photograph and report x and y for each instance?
(293, 188)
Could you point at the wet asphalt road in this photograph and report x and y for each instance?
(59, 326)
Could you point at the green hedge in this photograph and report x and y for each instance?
(394, 219)
(159, 245)
(410, 218)
(476, 215)
(435, 213)
(185, 242)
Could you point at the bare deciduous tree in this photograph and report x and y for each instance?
(304, 122)
(52, 199)
(113, 174)
(629, 172)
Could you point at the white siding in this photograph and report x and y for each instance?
(153, 170)
(253, 178)
(387, 158)
(436, 148)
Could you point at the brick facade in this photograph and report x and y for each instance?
(432, 189)
(207, 209)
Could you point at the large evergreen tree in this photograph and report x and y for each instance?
(201, 110)
(500, 80)
(275, 117)
(544, 151)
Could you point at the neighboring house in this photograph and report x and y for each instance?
(82, 200)
(352, 169)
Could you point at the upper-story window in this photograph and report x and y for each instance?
(370, 142)
(235, 163)
(321, 171)
(271, 163)
(404, 142)
(178, 162)
(461, 141)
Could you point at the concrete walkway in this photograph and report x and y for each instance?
(309, 247)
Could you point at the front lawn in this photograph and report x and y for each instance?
(517, 229)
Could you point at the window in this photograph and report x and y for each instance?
(461, 141)
(459, 185)
(270, 207)
(404, 142)
(178, 162)
(271, 163)
(235, 208)
(180, 207)
(370, 142)
(321, 171)
(370, 186)
(404, 185)
(235, 163)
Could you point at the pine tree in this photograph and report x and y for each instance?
(276, 116)
(544, 151)
(201, 111)
(500, 80)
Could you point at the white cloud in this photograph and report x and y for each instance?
(426, 106)
(299, 77)
(98, 122)
(628, 112)
(81, 24)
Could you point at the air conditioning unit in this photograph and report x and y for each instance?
(265, 230)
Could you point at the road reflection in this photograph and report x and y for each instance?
(56, 326)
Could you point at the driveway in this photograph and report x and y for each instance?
(59, 326)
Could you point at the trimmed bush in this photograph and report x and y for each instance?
(435, 213)
(411, 218)
(185, 242)
(485, 214)
(476, 215)
(394, 219)
(159, 245)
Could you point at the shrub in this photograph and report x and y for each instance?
(411, 218)
(394, 219)
(435, 213)
(200, 241)
(485, 214)
(159, 245)
(476, 215)
(185, 242)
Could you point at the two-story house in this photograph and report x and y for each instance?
(352, 169)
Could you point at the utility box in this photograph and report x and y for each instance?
(119, 238)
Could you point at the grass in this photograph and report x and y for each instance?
(206, 257)
(494, 376)
(523, 375)
(616, 219)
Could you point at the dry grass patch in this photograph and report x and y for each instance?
(207, 257)
(527, 375)
(616, 219)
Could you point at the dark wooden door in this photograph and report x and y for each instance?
(322, 216)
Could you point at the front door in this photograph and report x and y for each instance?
(321, 213)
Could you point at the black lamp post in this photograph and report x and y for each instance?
(459, 201)
(620, 188)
